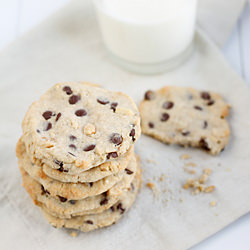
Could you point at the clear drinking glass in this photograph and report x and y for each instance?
(147, 36)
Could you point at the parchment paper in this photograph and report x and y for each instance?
(67, 47)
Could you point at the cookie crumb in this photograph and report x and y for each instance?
(209, 189)
(162, 177)
(189, 171)
(151, 185)
(73, 234)
(203, 178)
(198, 185)
(207, 171)
(185, 157)
(190, 164)
(213, 203)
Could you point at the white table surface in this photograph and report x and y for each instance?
(19, 16)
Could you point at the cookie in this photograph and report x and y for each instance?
(186, 116)
(106, 218)
(78, 126)
(67, 208)
(92, 175)
(73, 191)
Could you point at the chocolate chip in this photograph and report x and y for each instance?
(44, 191)
(168, 105)
(104, 201)
(60, 163)
(205, 95)
(128, 171)
(47, 114)
(132, 134)
(61, 169)
(151, 125)
(211, 102)
(72, 146)
(113, 106)
(197, 107)
(62, 199)
(205, 124)
(48, 126)
(149, 95)
(38, 131)
(89, 147)
(112, 209)
(102, 101)
(74, 99)
(91, 184)
(132, 186)
(164, 117)
(185, 132)
(72, 138)
(71, 153)
(203, 144)
(112, 154)
(80, 112)
(89, 222)
(73, 202)
(58, 116)
(116, 138)
(68, 90)
(119, 207)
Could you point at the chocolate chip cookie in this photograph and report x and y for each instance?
(91, 175)
(75, 191)
(186, 116)
(76, 126)
(66, 208)
(108, 217)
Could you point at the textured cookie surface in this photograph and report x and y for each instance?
(185, 116)
(91, 175)
(73, 191)
(65, 208)
(90, 222)
(79, 126)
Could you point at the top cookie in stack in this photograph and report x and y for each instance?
(77, 146)
(79, 126)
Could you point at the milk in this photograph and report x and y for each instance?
(147, 32)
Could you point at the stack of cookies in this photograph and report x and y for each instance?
(76, 155)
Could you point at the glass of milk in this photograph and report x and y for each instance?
(147, 36)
